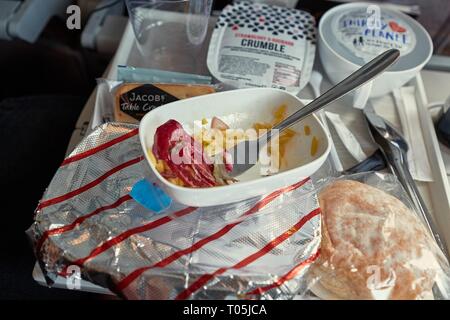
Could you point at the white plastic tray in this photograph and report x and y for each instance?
(436, 193)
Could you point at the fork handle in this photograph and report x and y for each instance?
(364, 74)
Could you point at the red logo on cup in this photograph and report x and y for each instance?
(396, 27)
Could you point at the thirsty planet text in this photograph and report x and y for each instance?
(382, 32)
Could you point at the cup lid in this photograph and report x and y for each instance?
(358, 32)
(257, 45)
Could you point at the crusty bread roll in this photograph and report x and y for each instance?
(373, 246)
(180, 91)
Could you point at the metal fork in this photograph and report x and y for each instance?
(243, 152)
(394, 148)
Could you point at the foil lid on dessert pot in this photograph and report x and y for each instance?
(368, 31)
(257, 45)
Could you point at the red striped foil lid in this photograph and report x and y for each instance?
(260, 248)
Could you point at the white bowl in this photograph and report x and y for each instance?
(338, 66)
(240, 109)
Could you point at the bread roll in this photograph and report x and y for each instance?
(373, 246)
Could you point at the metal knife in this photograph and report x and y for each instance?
(394, 148)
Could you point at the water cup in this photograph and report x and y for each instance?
(171, 34)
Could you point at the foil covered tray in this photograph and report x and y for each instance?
(88, 221)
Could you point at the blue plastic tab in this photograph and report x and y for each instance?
(150, 196)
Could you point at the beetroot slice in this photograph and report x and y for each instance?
(191, 164)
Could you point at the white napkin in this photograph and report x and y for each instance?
(418, 162)
(347, 137)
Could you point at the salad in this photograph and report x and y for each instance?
(189, 160)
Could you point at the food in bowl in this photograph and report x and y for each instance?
(190, 160)
(373, 246)
(240, 108)
(171, 139)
